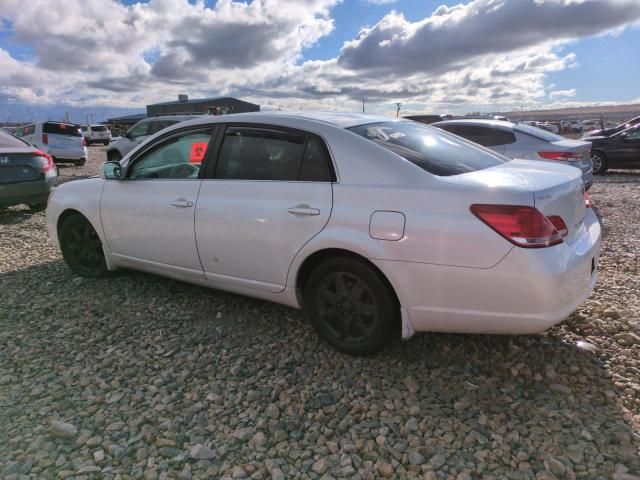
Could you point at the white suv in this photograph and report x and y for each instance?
(96, 134)
(63, 141)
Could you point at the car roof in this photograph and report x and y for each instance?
(499, 124)
(337, 119)
(174, 117)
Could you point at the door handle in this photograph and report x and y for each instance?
(303, 210)
(181, 203)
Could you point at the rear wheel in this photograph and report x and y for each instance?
(81, 247)
(350, 306)
(79, 163)
(599, 161)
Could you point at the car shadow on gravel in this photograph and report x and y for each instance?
(516, 402)
(15, 215)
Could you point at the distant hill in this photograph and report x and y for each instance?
(610, 112)
(26, 113)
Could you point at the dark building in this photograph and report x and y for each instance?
(211, 106)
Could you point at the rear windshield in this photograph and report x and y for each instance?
(9, 141)
(62, 129)
(433, 150)
(539, 133)
(98, 128)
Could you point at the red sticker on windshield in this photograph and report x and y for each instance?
(197, 152)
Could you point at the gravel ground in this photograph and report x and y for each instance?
(136, 376)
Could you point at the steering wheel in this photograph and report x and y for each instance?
(183, 170)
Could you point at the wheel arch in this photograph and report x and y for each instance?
(316, 258)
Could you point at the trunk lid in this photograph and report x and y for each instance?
(20, 166)
(574, 146)
(552, 188)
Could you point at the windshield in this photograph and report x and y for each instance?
(61, 129)
(433, 150)
(538, 133)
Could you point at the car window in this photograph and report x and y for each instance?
(250, 153)
(431, 149)
(485, 136)
(316, 164)
(139, 130)
(84, 128)
(9, 141)
(155, 127)
(98, 128)
(633, 134)
(538, 133)
(180, 157)
(67, 129)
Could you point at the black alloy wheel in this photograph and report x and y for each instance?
(81, 247)
(350, 306)
(599, 162)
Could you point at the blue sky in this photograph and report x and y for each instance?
(430, 55)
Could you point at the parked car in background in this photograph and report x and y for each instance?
(27, 175)
(607, 132)
(63, 141)
(426, 119)
(518, 140)
(96, 134)
(142, 130)
(621, 150)
(373, 226)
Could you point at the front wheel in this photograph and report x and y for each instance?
(81, 247)
(350, 306)
(599, 162)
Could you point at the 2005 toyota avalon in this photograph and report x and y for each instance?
(373, 226)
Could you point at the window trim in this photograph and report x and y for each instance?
(161, 141)
(217, 148)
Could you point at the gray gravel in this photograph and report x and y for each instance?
(136, 376)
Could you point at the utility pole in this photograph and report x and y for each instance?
(398, 109)
(362, 104)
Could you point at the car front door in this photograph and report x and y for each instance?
(271, 192)
(148, 217)
(630, 148)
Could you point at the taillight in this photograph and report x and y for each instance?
(45, 138)
(521, 225)
(564, 156)
(85, 142)
(587, 200)
(559, 225)
(49, 165)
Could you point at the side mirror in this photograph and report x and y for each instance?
(112, 171)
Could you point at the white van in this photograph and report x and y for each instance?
(63, 141)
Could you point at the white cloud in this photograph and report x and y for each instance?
(482, 53)
(563, 93)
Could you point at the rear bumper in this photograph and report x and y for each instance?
(68, 154)
(27, 192)
(528, 291)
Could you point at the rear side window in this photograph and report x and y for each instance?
(155, 127)
(433, 150)
(539, 133)
(67, 129)
(249, 153)
(485, 136)
(316, 164)
(9, 141)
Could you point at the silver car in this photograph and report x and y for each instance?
(140, 132)
(524, 141)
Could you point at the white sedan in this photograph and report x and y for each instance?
(374, 226)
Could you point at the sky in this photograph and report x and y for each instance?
(109, 57)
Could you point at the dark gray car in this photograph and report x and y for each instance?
(27, 175)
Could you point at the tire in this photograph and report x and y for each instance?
(350, 306)
(81, 247)
(79, 163)
(37, 207)
(114, 156)
(599, 161)
(105, 143)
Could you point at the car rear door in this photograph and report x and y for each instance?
(270, 193)
(148, 217)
